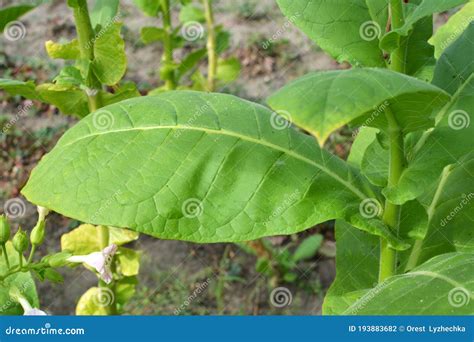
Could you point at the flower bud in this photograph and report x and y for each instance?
(58, 259)
(20, 241)
(37, 234)
(4, 229)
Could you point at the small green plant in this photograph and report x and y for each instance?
(191, 30)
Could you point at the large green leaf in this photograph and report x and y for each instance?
(446, 144)
(11, 13)
(451, 213)
(110, 61)
(22, 281)
(450, 31)
(343, 28)
(441, 286)
(324, 101)
(200, 167)
(456, 64)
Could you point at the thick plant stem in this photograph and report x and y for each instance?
(211, 46)
(85, 34)
(388, 256)
(392, 211)
(167, 70)
(397, 57)
(85, 38)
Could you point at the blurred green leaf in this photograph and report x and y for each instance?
(129, 261)
(191, 13)
(149, 7)
(25, 89)
(12, 13)
(228, 70)
(92, 302)
(308, 248)
(150, 34)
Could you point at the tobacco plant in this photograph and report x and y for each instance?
(207, 167)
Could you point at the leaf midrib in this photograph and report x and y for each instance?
(291, 153)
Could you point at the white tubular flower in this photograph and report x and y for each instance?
(28, 310)
(100, 261)
(42, 213)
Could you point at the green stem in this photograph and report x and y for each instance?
(5, 255)
(167, 58)
(85, 38)
(85, 34)
(388, 256)
(32, 252)
(104, 236)
(391, 214)
(211, 46)
(20, 260)
(397, 58)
